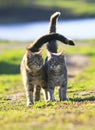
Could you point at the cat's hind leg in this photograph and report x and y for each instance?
(46, 94)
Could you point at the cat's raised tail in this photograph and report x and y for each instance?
(53, 22)
(52, 45)
(37, 44)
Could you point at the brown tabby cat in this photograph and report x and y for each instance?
(55, 65)
(32, 68)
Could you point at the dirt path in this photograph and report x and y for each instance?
(76, 64)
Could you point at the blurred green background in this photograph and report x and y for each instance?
(32, 10)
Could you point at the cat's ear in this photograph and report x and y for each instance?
(49, 54)
(28, 53)
(39, 52)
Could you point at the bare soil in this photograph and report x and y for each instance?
(76, 64)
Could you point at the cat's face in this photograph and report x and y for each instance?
(34, 60)
(55, 61)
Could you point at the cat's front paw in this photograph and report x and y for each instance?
(64, 99)
(51, 100)
(29, 103)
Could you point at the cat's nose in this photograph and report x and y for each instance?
(53, 67)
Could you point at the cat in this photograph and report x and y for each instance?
(32, 68)
(55, 66)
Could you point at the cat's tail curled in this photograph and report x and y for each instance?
(52, 45)
(37, 44)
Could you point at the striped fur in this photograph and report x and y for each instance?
(33, 76)
(55, 65)
(32, 68)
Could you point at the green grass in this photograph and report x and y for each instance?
(78, 113)
(76, 7)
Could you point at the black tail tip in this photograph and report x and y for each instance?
(71, 42)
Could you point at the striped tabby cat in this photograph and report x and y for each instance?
(32, 68)
(55, 65)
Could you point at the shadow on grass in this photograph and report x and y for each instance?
(38, 14)
(90, 54)
(90, 1)
(7, 68)
(78, 99)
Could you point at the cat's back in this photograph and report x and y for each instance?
(22, 65)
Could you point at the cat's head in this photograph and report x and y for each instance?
(55, 60)
(34, 60)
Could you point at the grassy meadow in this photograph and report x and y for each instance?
(78, 113)
(39, 10)
(74, 7)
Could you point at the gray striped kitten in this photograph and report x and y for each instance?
(32, 68)
(55, 65)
